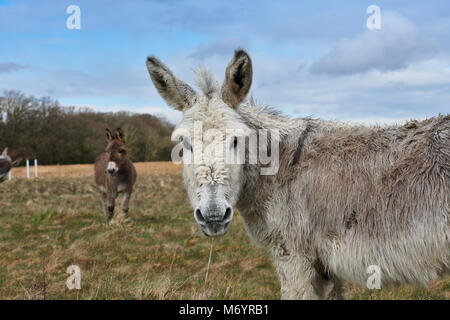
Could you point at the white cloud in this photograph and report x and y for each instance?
(420, 90)
(221, 48)
(170, 114)
(397, 45)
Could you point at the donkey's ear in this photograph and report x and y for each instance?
(16, 162)
(238, 79)
(109, 135)
(177, 93)
(5, 152)
(120, 135)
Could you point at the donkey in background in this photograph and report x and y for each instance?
(6, 163)
(114, 174)
(344, 198)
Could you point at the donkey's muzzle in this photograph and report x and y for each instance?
(213, 223)
(112, 168)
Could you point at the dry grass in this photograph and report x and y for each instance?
(50, 223)
(81, 170)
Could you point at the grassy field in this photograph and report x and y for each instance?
(50, 223)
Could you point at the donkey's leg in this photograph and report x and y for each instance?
(296, 275)
(105, 203)
(125, 201)
(110, 203)
(329, 288)
(326, 284)
(338, 291)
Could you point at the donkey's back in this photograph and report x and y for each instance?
(100, 165)
(381, 197)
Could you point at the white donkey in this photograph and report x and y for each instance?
(346, 200)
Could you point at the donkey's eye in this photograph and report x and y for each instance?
(186, 144)
(122, 151)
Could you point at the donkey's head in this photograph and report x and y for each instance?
(4, 155)
(15, 156)
(210, 131)
(117, 153)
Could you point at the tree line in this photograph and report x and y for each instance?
(41, 128)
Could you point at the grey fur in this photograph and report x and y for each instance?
(358, 196)
(177, 93)
(345, 197)
(238, 79)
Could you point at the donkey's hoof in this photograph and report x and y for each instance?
(122, 218)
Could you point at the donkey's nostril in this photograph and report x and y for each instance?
(198, 215)
(228, 213)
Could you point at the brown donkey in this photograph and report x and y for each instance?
(114, 174)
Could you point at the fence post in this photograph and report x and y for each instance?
(35, 168)
(28, 169)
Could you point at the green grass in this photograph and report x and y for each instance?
(46, 225)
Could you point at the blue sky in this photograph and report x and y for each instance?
(311, 58)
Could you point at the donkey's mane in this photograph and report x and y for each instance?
(207, 82)
(260, 107)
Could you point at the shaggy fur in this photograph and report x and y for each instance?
(348, 197)
(345, 197)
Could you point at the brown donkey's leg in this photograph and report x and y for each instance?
(125, 201)
(109, 208)
(105, 204)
